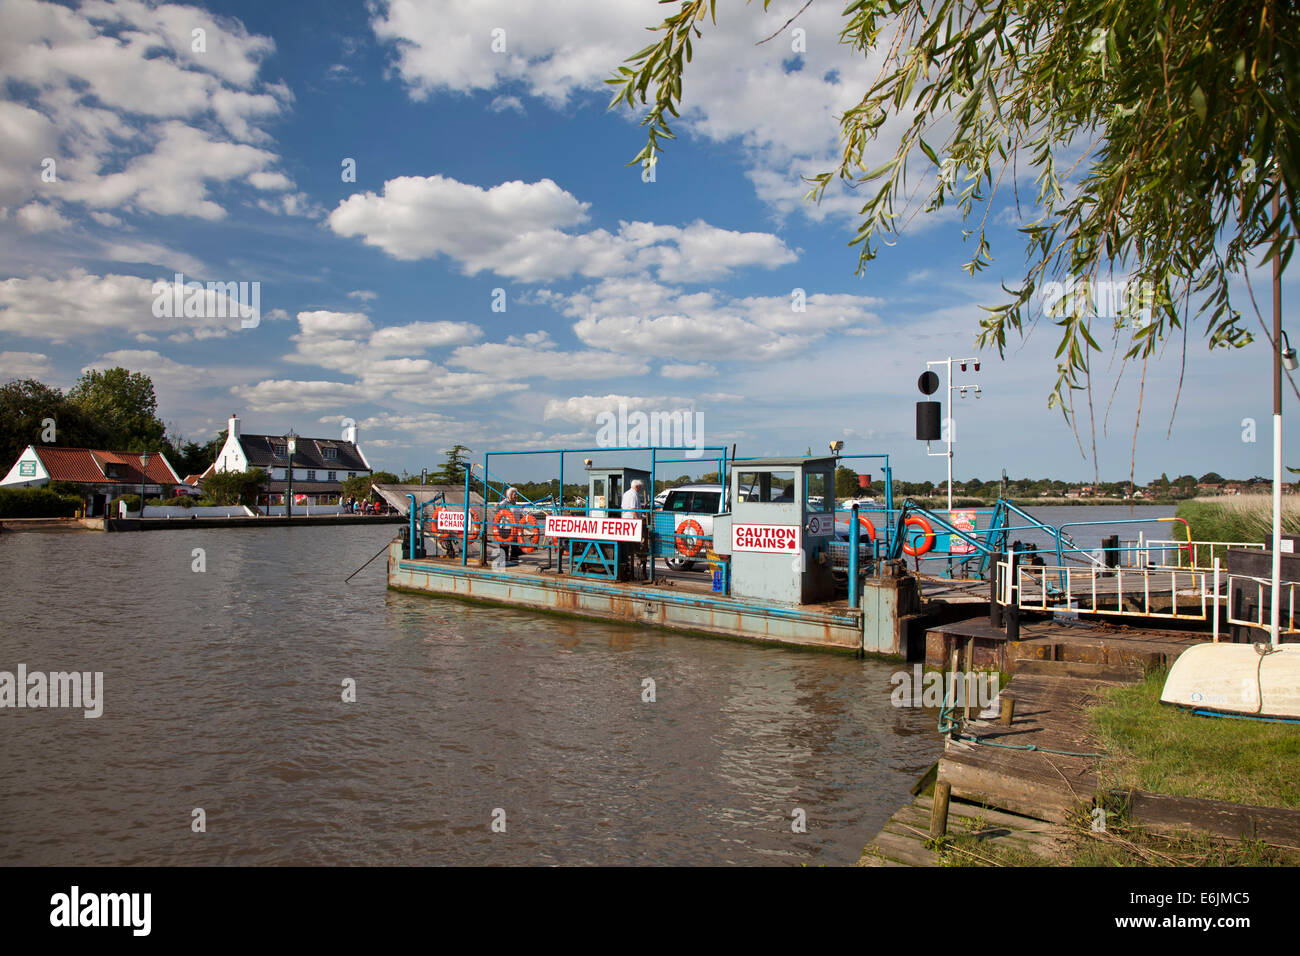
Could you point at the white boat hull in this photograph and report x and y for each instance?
(1237, 679)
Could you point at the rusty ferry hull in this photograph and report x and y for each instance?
(682, 602)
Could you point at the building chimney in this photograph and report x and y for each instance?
(233, 425)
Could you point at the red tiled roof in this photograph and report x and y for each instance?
(87, 465)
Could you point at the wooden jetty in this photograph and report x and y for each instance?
(1037, 783)
(1102, 649)
(905, 839)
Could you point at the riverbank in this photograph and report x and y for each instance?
(56, 525)
(1133, 784)
(941, 503)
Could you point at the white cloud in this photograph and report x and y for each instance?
(282, 396)
(421, 336)
(515, 230)
(643, 317)
(422, 217)
(324, 323)
(700, 371)
(582, 409)
(164, 372)
(133, 115)
(518, 362)
(24, 365)
(149, 253)
(79, 305)
(783, 108)
(40, 217)
(502, 103)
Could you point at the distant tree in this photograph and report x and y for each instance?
(359, 486)
(1212, 478)
(124, 405)
(191, 457)
(453, 469)
(31, 410)
(846, 483)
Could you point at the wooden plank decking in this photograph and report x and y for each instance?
(1036, 783)
(903, 840)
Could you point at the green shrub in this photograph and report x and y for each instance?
(132, 504)
(36, 503)
(1242, 518)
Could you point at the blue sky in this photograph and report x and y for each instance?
(479, 170)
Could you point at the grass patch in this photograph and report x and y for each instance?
(1155, 747)
(977, 843)
(1241, 518)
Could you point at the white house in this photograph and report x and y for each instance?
(320, 465)
(101, 475)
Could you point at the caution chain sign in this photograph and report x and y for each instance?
(771, 538)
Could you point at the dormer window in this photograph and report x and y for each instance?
(113, 470)
(330, 453)
(281, 451)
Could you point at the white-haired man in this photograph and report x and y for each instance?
(631, 504)
(511, 501)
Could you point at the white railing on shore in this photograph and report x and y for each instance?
(1204, 592)
(1127, 591)
(1191, 555)
(1263, 595)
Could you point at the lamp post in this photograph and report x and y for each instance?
(947, 363)
(291, 442)
(144, 467)
(1275, 609)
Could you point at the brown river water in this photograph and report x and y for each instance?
(222, 690)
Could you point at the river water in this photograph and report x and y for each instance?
(223, 692)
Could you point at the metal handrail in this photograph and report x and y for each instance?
(1265, 586)
(1065, 590)
(1164, 546)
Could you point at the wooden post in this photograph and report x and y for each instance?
(952, 680)
(1008, 710)
(939, 810)
(965, 676)
(995, 608)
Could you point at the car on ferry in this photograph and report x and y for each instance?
(682, 506)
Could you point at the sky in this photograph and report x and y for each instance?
(449, 246)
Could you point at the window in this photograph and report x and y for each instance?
(767, 486)
(703, 503)
(333, 475)
(819, 491)
(678, 501)
(281, 451)
(311, 475)
(331, 454)
(352, 474)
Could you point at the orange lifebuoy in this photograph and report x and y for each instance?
(505, 530)
(871, 528)
(926, 543)
(689, 538)
(529, 532)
